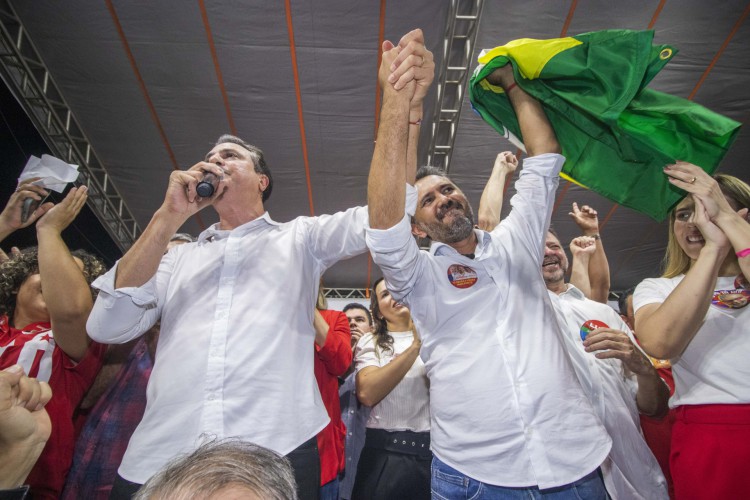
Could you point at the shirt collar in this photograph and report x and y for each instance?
(573, 292)
(214, 233)
(483, 238)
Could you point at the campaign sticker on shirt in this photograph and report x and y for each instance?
(660, 364)
(461, 276)
(731, 299)
(590, 326)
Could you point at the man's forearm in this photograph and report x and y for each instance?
(599, 274)
(415, 126)
(16, 461)
(140, 263)
(66, 293)
(579, 273)
(387, 180)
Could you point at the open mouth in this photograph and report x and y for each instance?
(695, 238)
(551, 262)
(453, 209)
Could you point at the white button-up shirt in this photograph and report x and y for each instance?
(631, 471)
(235, 353)
(505, 403)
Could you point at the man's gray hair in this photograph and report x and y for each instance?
(218, 464)
(428, 170)
(258, 159)
(187, 238)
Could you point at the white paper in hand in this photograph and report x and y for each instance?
(54, 173)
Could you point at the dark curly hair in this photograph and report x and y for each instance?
(15, 271)
(383, 339)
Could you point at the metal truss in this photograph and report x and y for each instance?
(24, 72)
(346, 293)
(458, 46)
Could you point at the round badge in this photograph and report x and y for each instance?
(461, 276)
(731, 299)
(591, 325)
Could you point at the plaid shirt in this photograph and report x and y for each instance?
(108, 428)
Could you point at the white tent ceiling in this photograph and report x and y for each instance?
(153, 84)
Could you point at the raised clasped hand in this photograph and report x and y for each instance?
(408, 62)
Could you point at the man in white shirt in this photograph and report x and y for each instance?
(508, 415)
(232, 360)
(617, 376)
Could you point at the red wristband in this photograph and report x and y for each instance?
(743, 253)
(418, 122)
(511, 87)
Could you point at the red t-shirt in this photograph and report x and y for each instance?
(34, 349)
(331, 361)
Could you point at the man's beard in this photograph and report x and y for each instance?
(458, 230)
(554, 277)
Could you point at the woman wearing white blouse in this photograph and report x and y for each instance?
(391, 378)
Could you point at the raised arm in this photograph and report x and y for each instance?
(405, 74)
(665, 329)
(587, 220)
(412, 44)
(582, 249)
(491, 202)
(538, 135)
(387, 180)
(65, 289)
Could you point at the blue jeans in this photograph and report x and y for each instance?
(450, 484)
(330, 490)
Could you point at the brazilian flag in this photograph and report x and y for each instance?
(615, 133)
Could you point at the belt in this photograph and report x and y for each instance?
(406, 442)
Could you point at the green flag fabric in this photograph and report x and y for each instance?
(615, 133)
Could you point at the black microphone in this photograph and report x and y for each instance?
(207, 186)
(28, 208)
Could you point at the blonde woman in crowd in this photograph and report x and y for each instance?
(696, 314)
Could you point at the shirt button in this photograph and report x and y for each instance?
(350, 433)
(351, 412)
(211, 397)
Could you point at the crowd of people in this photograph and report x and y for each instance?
(212, 367)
